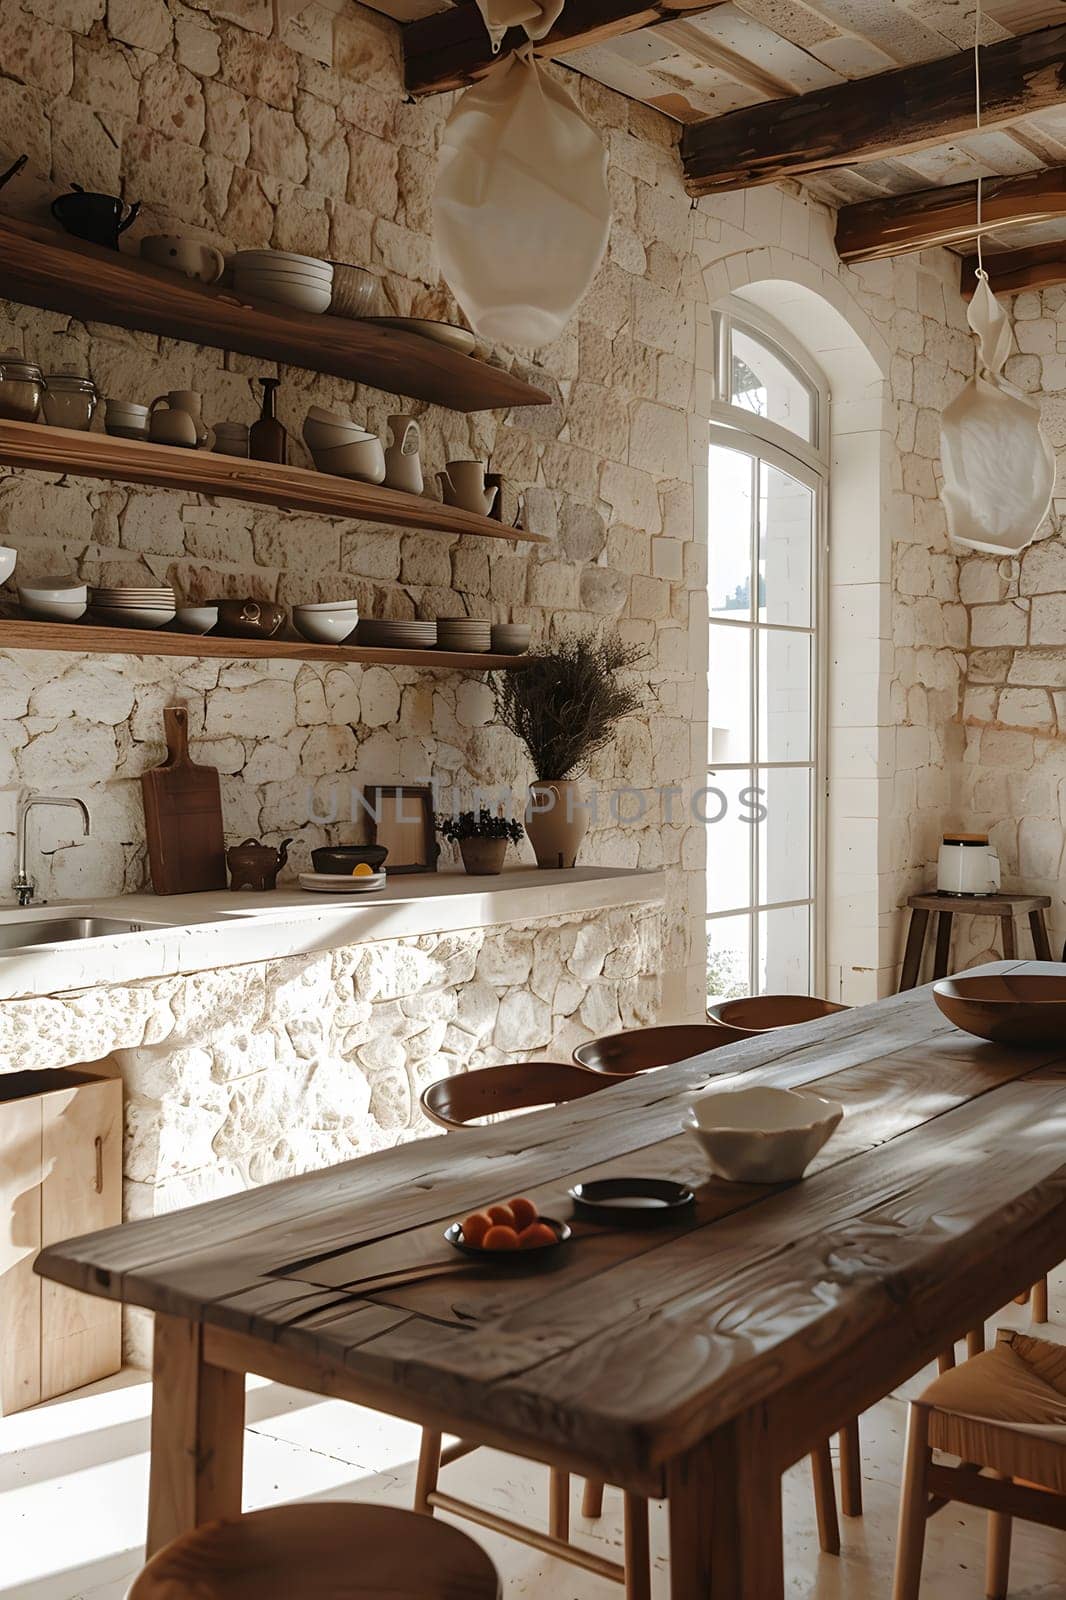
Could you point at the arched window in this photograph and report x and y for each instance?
(766, 495)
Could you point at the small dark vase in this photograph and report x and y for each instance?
(483, 858)
(96, 218)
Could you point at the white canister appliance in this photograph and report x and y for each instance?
(967, 864)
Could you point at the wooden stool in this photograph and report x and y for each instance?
(334, 1550)
(1004, 906)
(1004, 1412)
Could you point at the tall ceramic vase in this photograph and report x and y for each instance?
(556, 822)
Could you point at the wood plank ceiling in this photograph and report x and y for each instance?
(706, 63)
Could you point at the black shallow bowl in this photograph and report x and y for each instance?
(511, 1258)
(343, 857)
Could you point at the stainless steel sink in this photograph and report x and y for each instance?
(31, 931)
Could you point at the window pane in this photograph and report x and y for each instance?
(784, 965)
(764, 382)
(729, 491)
(729, 839)
(729, 694)
(728, 958)
(784, 696)
(786, 516)
(785, 835)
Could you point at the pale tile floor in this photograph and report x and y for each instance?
(74, 1475)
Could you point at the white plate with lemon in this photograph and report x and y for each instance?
(361, 880)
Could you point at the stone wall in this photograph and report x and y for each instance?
(246, 1074)
(252, 123)
(1011, 778)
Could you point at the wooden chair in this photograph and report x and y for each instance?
(1004, 1412)
(517, 1086)
(644, 1049)
(761, 1013)
(329, 1550)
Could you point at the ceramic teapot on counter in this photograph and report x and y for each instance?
(256, 866)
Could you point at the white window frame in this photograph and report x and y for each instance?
(736, 428)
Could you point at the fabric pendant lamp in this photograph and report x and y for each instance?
(521, 210)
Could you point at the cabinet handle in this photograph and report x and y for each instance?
(98, 1145)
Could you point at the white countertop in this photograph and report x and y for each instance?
(222, 929)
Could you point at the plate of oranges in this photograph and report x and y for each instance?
(508, 1232)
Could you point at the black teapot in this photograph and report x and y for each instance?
(97, 218)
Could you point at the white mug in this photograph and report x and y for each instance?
(192, 257)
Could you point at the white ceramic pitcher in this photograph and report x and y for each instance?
(403, 465)
(463, 484)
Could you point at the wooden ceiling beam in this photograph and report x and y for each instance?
(451, 49)
(900, 223)
(1042, 266)
(887, 114)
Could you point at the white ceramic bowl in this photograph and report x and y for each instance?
(63, 590)
(135, 616)
(296, 293)
(196, 619)
(281, 259)
(8, 557)
(336, 419)
(326, 436)
(331, 605)
(324, 627)
(762, 1135)
(363, 459)
(53, 610)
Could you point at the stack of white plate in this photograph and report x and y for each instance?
(340, 882)
(397, 635)
(463, 633)
(143, 607)
(300, 281)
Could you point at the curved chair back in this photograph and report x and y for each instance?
(642, 1049)
(763, 1012)
(516, 1086)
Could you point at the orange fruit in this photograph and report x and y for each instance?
(503, 1215)
(475, 1227)
(500, 1238)
(362, 870)
(536, 1236)
(524, 1211)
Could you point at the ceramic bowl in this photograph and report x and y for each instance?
(363, 459)
(135, 616)
(196, 619)
(8, 557)
(330, 436)
(331, 605)
(765, 1012)
(324, 627)
(53, 610)
(511, 638)
(343, 857)
(762, 1135)
(1006, 1007)
(354, 291)
(299, 293)
(64, 591)
(281, 259)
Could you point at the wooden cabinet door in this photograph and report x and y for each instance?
(81, 1190)
(20, 1240)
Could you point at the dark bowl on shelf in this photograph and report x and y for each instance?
(1027, 1009)
(343, 857)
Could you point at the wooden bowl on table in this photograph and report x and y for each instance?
(1006, 1007)
(761, 1013)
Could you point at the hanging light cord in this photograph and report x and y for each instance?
(977, 21)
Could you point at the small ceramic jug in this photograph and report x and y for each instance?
(256, 866)
(463, 484)
(182, 422)
(403, 466)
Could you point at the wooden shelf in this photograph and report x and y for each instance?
(42, 267)
(99, 455)
(19, 634)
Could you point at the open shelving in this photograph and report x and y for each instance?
(42, 267)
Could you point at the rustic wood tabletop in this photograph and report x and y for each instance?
(718, 1350)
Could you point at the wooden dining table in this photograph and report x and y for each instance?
(693, 1362)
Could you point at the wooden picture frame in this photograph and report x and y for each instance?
(401, 818)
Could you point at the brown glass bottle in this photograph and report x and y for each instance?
(267, 439)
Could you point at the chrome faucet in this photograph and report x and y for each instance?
(24, 886)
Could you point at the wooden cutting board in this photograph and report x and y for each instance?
(183, 816)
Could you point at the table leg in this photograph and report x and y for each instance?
(725, 1499)
(912, 955)
(197, 1435)
(944, 919)
(1041, 942)
(689, 1498)
(1010, 948)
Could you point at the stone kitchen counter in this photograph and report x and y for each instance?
(259, 1036)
